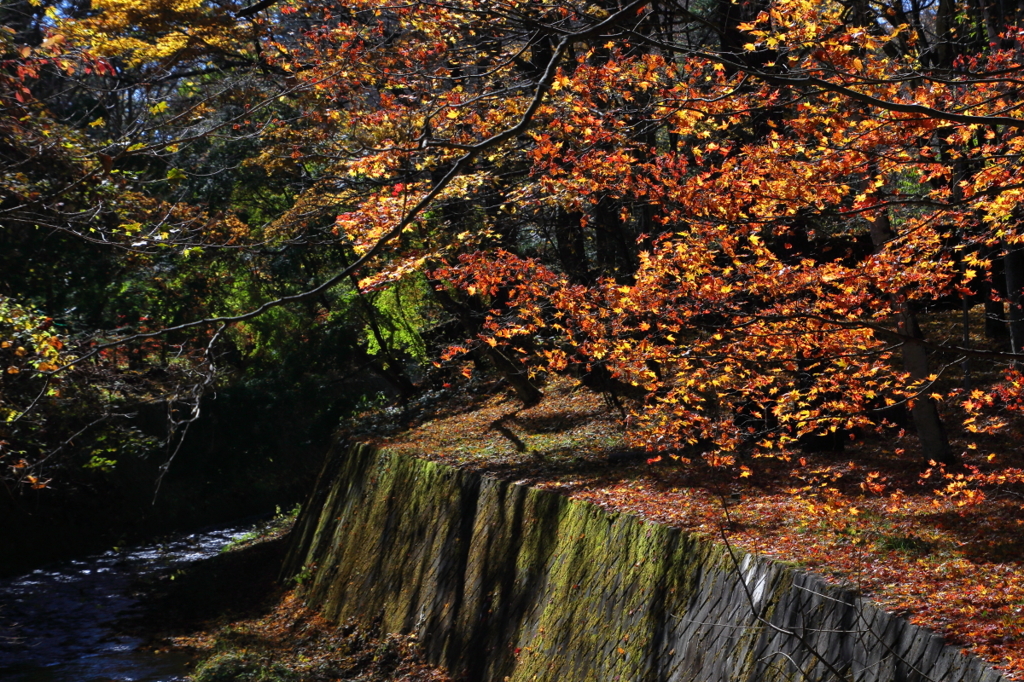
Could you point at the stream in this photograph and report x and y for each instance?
(59, 623)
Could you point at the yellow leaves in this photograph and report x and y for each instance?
(149, 34)
(158, 108)
(560, 81)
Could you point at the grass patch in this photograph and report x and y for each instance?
(907, 544)
(242, 667)
(273, 528)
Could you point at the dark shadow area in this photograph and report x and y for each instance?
(232, 585)
(552, 423)
(255, 448)
(983, 536)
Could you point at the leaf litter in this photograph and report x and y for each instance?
(918, 540)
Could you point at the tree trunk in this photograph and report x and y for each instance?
(995, 317)
(925, 412)
(1013, 264)
(390, 369)
(571, 246)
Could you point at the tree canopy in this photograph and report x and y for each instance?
(757, 226)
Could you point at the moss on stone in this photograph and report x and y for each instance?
(504, 582)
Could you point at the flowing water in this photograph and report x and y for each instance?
(59, 623)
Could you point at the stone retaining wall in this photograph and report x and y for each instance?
(503, 582)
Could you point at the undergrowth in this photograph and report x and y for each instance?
(294, 644)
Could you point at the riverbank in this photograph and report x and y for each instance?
(237, 622)
(863, 517)
(66, 622)
(292, 642)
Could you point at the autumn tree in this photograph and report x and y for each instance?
(143, 189)
(744, 217)
(741, 218)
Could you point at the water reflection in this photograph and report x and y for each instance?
(57, 623)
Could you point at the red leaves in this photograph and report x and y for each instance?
(866, 520)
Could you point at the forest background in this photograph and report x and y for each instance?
(762, 230)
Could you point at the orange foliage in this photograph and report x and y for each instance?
(868, 521)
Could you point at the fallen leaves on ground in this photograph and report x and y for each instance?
(293, 642)
(864, 516)
(235, 616)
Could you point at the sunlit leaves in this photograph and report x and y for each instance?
(733, 235)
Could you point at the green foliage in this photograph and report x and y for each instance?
(404, 310)
(304, 575)
(100, 463)
(44, 413)
(905, 543)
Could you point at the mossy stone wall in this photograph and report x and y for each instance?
(503, 582)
